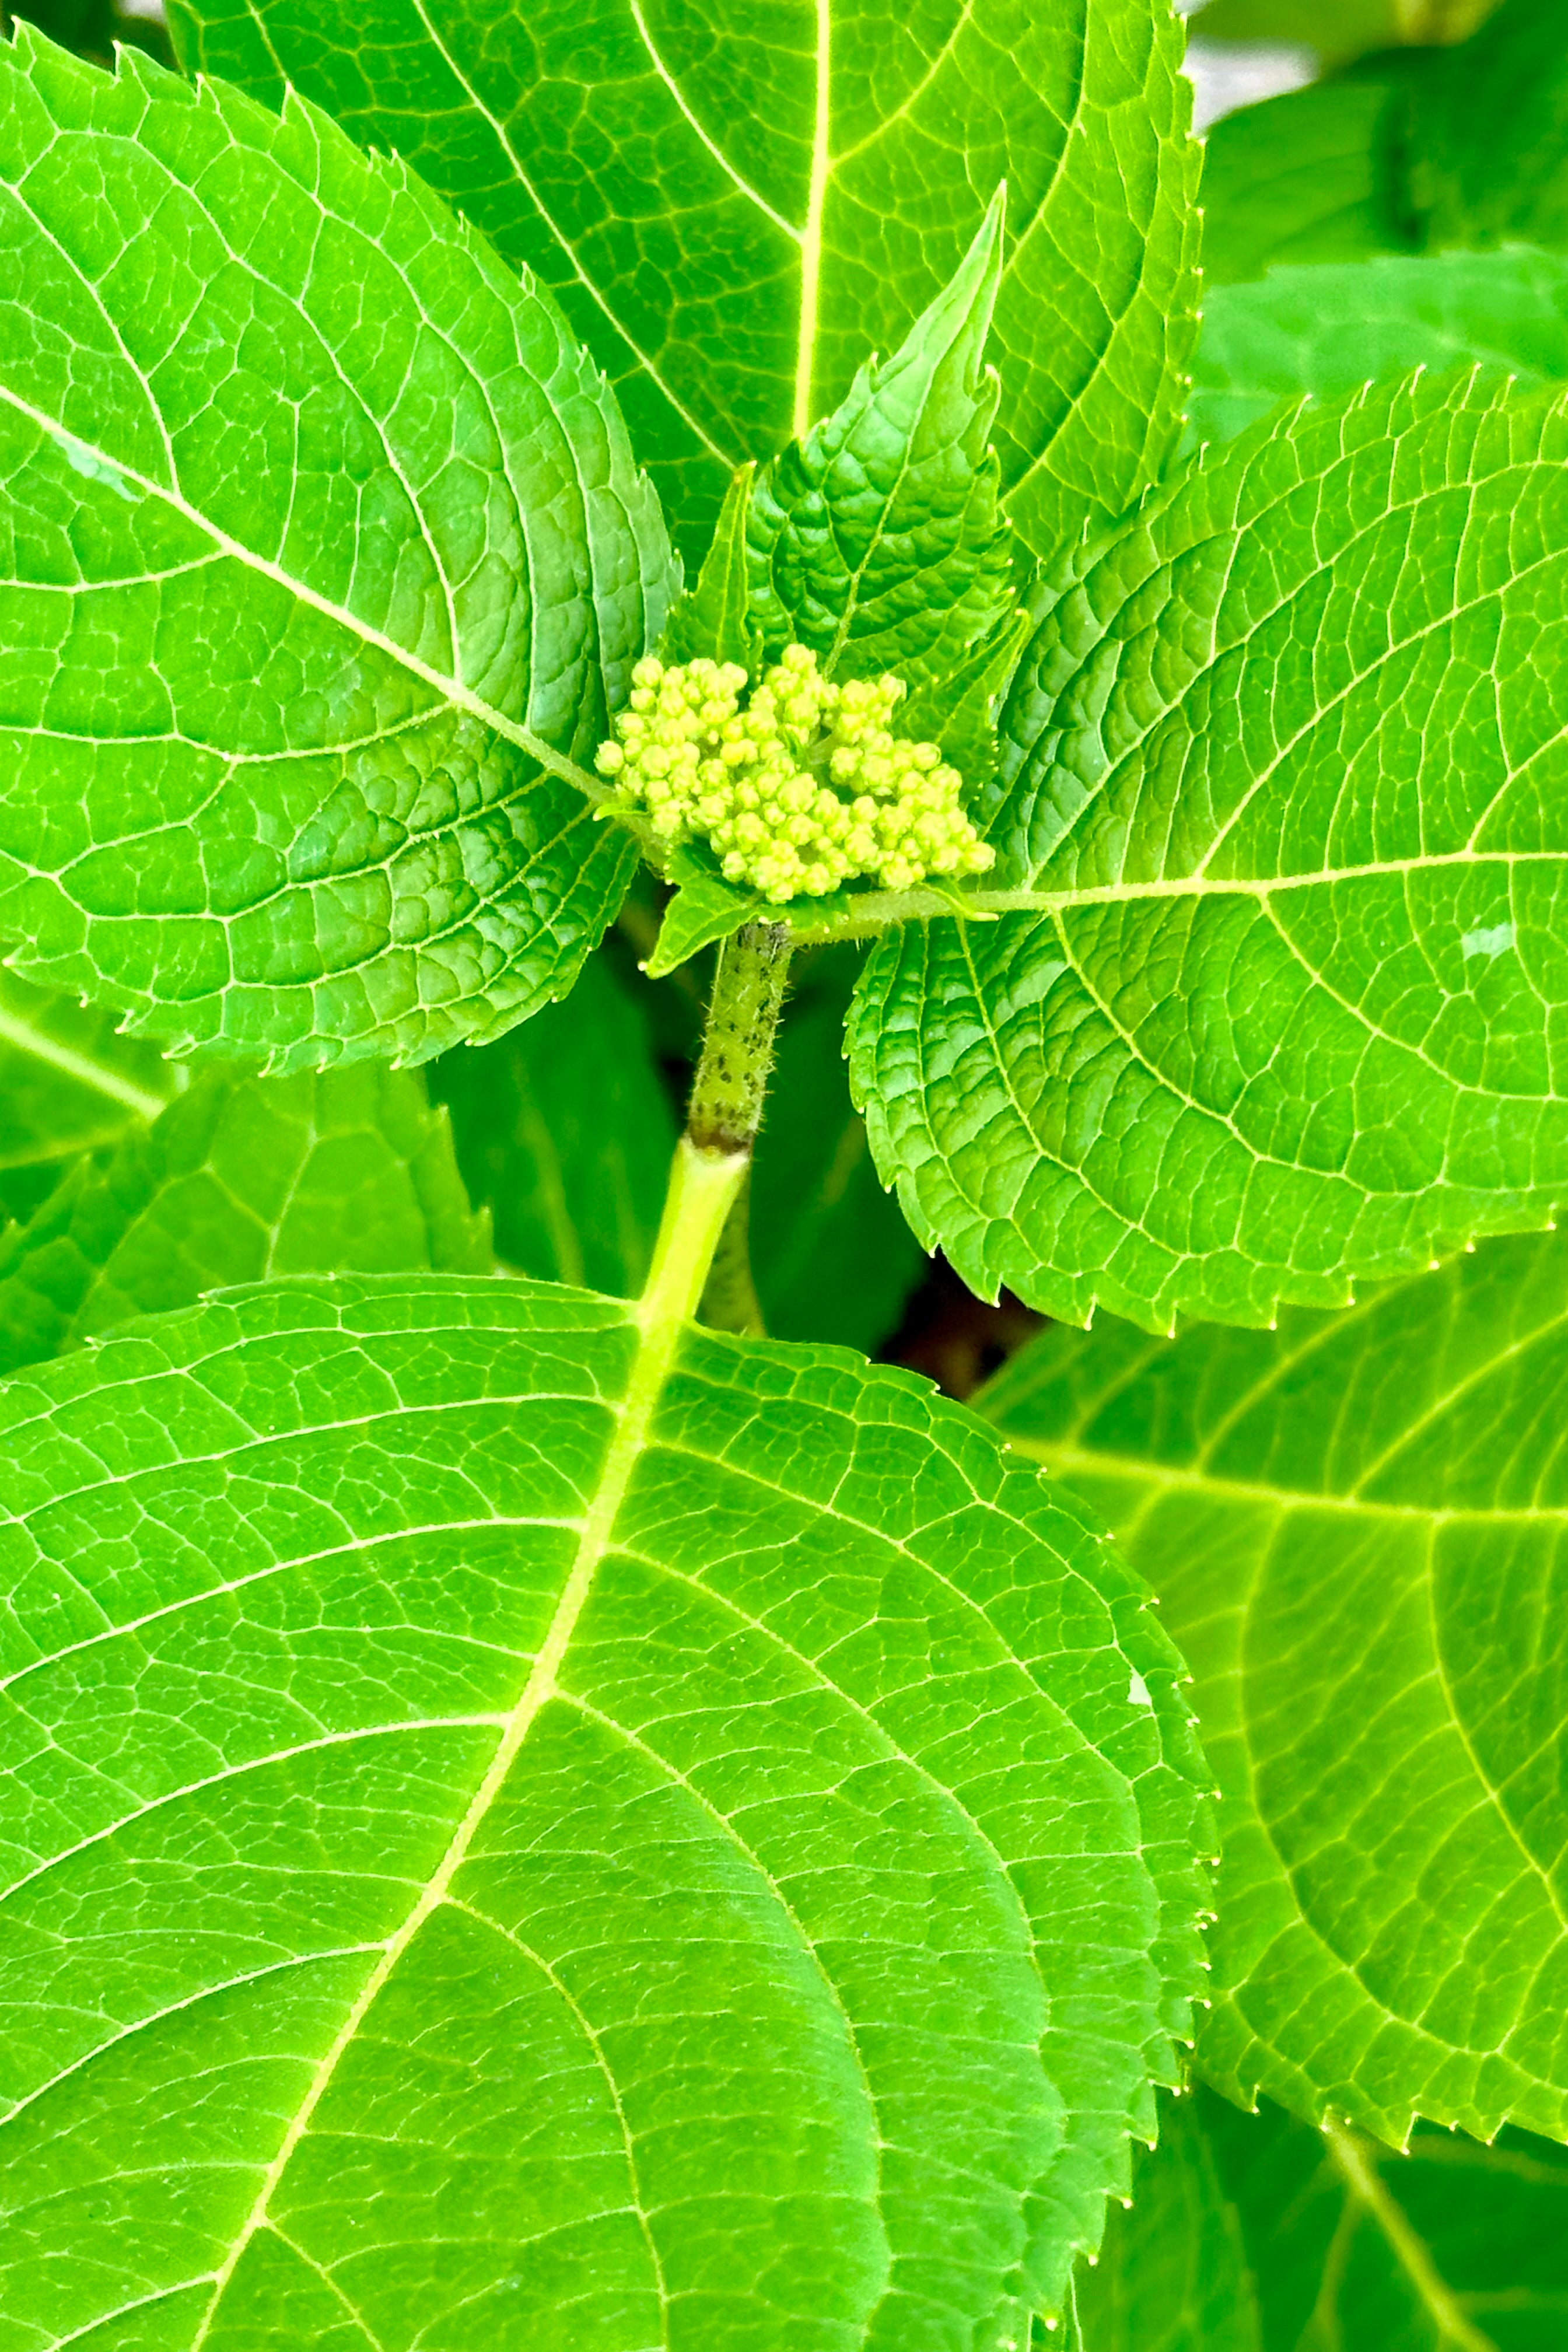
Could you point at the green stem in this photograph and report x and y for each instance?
(726, 1107)
(730, 1301)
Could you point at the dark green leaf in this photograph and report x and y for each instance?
(1277, 997)
(1174, 2274)
(878, 539)
(490, 1863)
(715, 617)
(1326, 330)
(1305, 177)
(563, 1132)
(323, 553)
(1355, 1525)
(832, 1257)
(240, 1180)
(733, 211)
(68, 1083)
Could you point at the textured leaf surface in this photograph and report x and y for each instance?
(733, 210)
(563, 1131)
(322, 545)
(492, 1862)
(1281, 821)
(1328, 328)
(1329, 2243)
(832, 1255)
(1355, 1527)
(878, 539)
(240, 1180)
(68, 1083)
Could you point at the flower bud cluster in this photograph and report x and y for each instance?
(805, 789)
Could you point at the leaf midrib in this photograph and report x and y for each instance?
(30, 1040)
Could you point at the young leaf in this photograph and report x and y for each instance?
(68, 1083)
(1356, 1528)
(732, 212)
(240, 1180)
(714, 618)
(1326, 330)
(564, 1133)
(325, 554)
(877, 541)
(832, 1257)
(704, 907)
(1325, 2239)
(1283, 840)
(507, 1874)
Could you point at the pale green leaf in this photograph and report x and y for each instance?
(240, 1180)
(703, 909)
(714, 617)
(832, 1257)
(1327, 329)
(322, 549)
(563, 1131)
(507, 1873)
(734, 207)
(1326, 2242)
(1278, 999)
(68, 1083)
(878, 539)
(1355, 1527)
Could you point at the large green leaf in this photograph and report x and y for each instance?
(734, 209)
(68, 1083)
(322, 549)
(1270, 2237)
(563, 1131)
(534, 1826)
(1326, 330)
(242, 1179)
(1277, 1002)
(1355, 1525)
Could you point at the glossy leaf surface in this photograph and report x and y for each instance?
(241, 1180)
(734, 212)
(563, 1131)
(1355, 1525)
(1271, 2237)
(495, 1745)
(1278, 1004)
(322, 549)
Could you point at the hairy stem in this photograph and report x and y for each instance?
(726, 1107)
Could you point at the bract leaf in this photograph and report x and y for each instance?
(732, 212)
(507, 1869)
(1327, 329)
(704, 907)
(1274, 1002)
(563, 1131)
(878, 539)
(241, 1178)
(714, 618)
(1317, 2238)
(1356, 1528)
(325, 555)
(69, 1082)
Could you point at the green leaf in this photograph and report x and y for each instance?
(1326, 2242)
(959, 711)
(733, 211)
(704, 907)
(1354, 1526)
(832, 1257)
(879, 540)
(507, 1873)
(1275, 1004)
(1327, 330)
(1339, 29)
(323, 550)
(714, 619)
(69, 1082)
(1173, 2273)
(563, 1132)
(1303, 178)
(241, 1180)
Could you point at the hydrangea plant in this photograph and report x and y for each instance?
(536, 1813)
